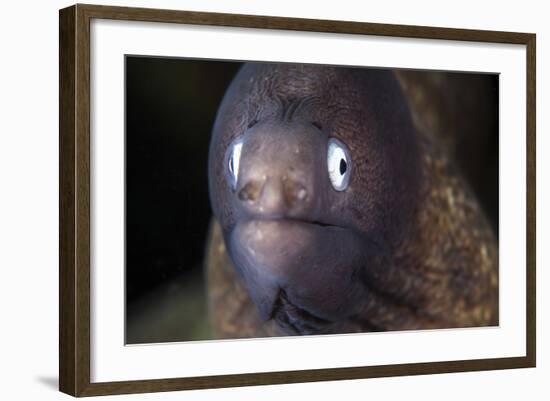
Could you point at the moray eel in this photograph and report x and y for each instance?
(335, 214)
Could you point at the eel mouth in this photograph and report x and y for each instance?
(290, 220)
(296, 320)
(313, 222)
(283, 235)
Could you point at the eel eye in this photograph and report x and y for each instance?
(233, 160)
(339, 164)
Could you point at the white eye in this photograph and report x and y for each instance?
(233, 161)
(339, 164)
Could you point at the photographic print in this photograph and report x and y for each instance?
(281, 199)
(251, 200)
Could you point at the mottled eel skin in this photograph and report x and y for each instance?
(335, 214)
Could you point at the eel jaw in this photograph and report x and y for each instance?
(295, 320)
(299, 273)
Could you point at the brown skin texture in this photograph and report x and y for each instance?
(405, 246)
(461, 111)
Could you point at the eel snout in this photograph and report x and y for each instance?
(279, 165)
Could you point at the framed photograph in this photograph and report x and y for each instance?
(250, 200)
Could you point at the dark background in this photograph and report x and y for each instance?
(170, 110)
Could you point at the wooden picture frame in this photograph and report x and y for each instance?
(74, 206)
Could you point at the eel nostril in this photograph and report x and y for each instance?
(273, 195)
(294, 192)
(250, 191)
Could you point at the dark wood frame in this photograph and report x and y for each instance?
(74, 194)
